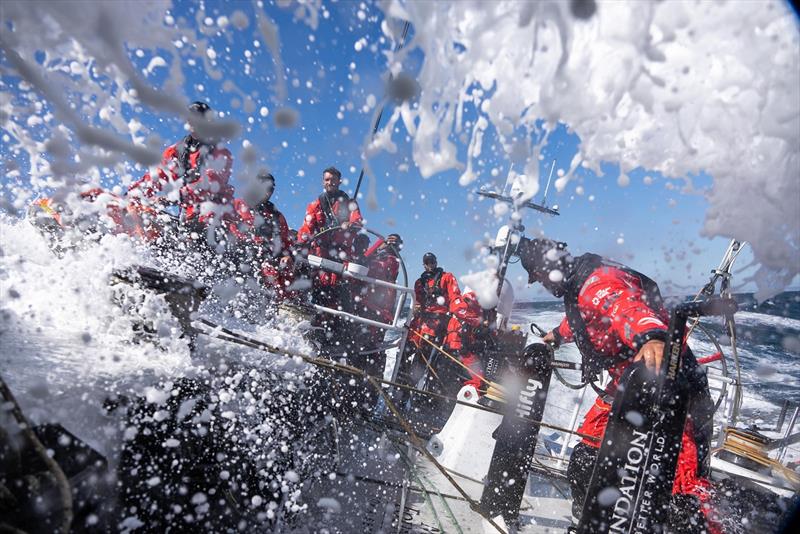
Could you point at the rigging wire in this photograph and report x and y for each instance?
(380, 113)
(234, 337)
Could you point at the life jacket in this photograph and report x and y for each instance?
(432, 292)
(582, 270)
(463, 329)
(331, 206)
(185, 149)
(270, 226)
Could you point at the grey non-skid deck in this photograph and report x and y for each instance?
(384, 485)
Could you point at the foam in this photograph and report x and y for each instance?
(676, 87)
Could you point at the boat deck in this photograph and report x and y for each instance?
(384, 485)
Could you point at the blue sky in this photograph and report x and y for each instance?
(653, 227)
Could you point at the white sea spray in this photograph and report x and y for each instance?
(676, 87)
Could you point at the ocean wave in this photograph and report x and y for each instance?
(763, 319)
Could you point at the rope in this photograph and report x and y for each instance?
(233, 337)
(740, 444)
(425, 492)
(421, 479)
(417, 444)
(492, 385)
(428, 365)
(376, 384)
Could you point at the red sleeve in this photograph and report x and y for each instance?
(284, 232)
(419, 291)
(242, 211)
(564, 331)
(624, 305)
(453, 292)
(239, 220)
(371, 250)
(150, 187)
(218, 166)
(355, 215)
(309, 225)
(458, 307)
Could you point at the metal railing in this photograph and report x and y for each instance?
(404, 293)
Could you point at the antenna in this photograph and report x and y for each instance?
(505, 187)
(383, 107)
(547, 187)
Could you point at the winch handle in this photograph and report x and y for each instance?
(537, 330)
(540, 332)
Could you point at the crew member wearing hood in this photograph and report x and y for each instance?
(466, 334)
(198, 168)
(617, 316)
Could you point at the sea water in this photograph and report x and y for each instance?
(767, 335)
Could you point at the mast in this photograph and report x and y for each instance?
(508, 239)
(377, 124)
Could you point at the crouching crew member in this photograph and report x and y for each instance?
(466, 340)
(616, 316)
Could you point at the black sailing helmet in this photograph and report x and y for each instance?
(266, 178)
(192, 141)
(429, 258)
(199, 107)
(540, 256)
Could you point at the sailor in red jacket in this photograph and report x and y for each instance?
(266, 223)
(435, 292)
(436, 295)
(193, 174)
(376, 302)
(464, 340)
(381, 259)
(332, 213)
(617, 316)
(263, 232)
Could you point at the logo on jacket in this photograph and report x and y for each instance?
(644, 321)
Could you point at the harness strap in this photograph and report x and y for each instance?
(326, 204)
(432, 291)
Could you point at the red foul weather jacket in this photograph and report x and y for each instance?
(278, 281)
(467, 315)
(378, 302)
(611, 312)
(618, 320)
(329, 211)
(325, 212)
(128, 218)
(202, 173)
(264, 225)
(436, 293)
